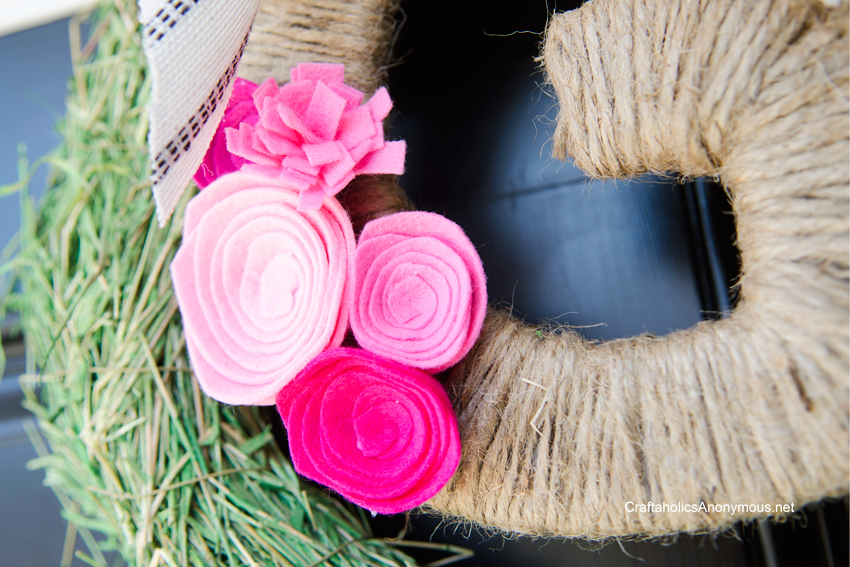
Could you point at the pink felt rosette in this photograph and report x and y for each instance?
(381, 434)
(218, 160)
(314, 135)
(262, 287)
(420, 292)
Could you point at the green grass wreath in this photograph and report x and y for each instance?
(134, 450)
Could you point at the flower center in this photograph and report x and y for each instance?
(410, 300)
(278, 286)
(379, 427)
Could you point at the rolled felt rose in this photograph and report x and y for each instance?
(381, 434)
(262, 287)
(420, 292)
(218, 160)
(314, 135)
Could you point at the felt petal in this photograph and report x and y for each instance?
(361, 150)
(268, 89)
(296, 95)
(356, 126)
(294, 120)
(278, 144)
(325, 72)
(271, 121)
(352, 96)
(331, 190)
(258, 145)
(324, 113)
(241, 143)
(420, 290)
(389, 159)
(380, 104)
(295, 179)
(219, 160)
(335, 172)
(321, 154)
(300, 164)
(381, 434)
(243, 90)
(310, 199)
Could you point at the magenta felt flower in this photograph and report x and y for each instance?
(420, 293)
(218, 160)
(262, 287)
(314, 135)
(381, 434)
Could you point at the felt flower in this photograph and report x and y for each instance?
(381, 434)
(218, 160)
(262, 287)
(314, 135)
(420, 292)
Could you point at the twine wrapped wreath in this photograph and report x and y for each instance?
(560, 434)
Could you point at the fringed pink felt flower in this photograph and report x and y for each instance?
(315, 136)
(262, 287)
(218, 160)
(381, 434)
(420, 292)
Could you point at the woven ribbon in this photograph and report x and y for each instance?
(193, 49)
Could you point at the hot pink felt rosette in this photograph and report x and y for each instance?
(262, 287)
(314, 135)
(420, 292)
(218, 160)
(381, 434)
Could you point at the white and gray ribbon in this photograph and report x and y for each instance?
(193, 48)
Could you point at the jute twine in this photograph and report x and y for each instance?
(288, 32)
(561, 434)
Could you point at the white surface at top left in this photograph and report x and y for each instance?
(16, 16)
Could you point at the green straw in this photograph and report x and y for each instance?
(136, 453)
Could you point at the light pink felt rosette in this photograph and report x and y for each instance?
(381, 434)
(262, 288)
(420, 292)
(314, 135)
